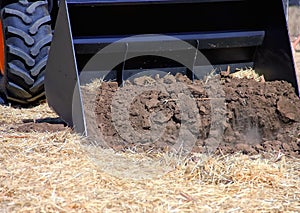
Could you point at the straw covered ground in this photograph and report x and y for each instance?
(45, 167)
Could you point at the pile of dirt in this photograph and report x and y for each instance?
(220, 114)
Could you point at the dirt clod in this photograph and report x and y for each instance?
(39, 127)
(288, 109)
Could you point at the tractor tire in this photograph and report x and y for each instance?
(26, 37)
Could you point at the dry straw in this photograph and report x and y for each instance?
(248, 73)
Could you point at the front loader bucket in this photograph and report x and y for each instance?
(235, 33)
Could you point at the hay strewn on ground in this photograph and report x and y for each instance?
(52, 172)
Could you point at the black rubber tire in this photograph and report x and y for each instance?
(27, 36)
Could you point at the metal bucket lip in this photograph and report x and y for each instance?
(123, 2)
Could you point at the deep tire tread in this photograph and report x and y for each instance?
(37, 69)
(26, 19)
(28, 34)
(19, 91)
(37, 85)
(22, 54)
(40, 44)
(23, 2)
(31, 9)
(35, 27)
(18, 71)
(37, 97)
(17, 32)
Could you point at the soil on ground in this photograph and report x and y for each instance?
(217, 115)
(40, 125)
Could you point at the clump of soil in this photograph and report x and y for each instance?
(39, 127)
(219, 115)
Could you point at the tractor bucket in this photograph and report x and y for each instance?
(228, 33)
